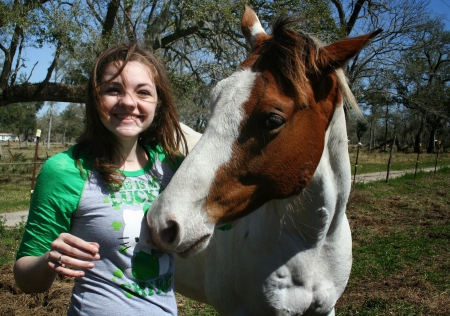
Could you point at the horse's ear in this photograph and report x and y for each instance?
(336, 55)
(252, 28)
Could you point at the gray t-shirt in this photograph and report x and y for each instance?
(131, 277)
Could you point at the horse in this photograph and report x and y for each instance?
(256, 211)
(191, 137)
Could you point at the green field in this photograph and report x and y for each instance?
(401, 236)
(16, 168)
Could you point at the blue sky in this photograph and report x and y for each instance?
(44, 55)
(442, 7)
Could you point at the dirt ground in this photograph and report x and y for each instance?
(14, 302)
(406, 286)
(56, 301)
(16, 217)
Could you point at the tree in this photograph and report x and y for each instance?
(422, 79)
(71, 122)
(199, 40)
(18, 118)
(398, 19)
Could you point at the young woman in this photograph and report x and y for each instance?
(86, 218)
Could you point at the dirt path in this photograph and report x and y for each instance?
(368, 177)
(15, 217)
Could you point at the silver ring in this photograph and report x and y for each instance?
(59, 261)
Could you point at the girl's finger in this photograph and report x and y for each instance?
(72, 246)
(67, 261)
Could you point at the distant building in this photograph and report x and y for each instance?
(4, 137)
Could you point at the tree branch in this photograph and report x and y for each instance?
(176, 36)
(94, 11)
(341, 13)
(108, 24)
(50, 69)
(354, 16)
(16, 69)
(55, 92)
(9, 55)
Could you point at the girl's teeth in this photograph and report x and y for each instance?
(128, 117)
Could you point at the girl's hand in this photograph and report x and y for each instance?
(66, 253)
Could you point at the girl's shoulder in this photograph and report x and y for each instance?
(158, 153)
(66, 161)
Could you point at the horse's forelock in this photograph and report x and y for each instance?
(295, 55)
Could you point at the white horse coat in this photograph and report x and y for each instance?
(273, 161)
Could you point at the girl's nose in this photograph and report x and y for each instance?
(127, 100)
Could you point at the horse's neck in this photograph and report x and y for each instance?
(319, 209)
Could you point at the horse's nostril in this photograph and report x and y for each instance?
(169, 235)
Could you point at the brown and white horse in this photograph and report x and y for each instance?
(273, 161)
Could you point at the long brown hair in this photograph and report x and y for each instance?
(96, 140)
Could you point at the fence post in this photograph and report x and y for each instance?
(356, 163)
(438, 147)
(390, 159)
(38, 136)
(417, 160)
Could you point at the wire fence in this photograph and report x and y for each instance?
(423, 160)
(16, 164)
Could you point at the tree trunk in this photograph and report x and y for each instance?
(418, 138)
(398, 145)
(386, 120)
(431, 143)
(50, 125)
(370, 136)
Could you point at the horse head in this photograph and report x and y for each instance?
(265, 138)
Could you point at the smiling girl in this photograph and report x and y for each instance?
(86, 217)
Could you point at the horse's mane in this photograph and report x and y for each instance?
(295, 54)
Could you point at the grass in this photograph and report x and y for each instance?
(401, 235)
(15, 186)
(16, 176)
(10, 239)
(16, 172)
(188, 307)
(377, 161)
(14, 192)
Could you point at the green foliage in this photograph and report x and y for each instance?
(15, 157)
(18, 118)
(192, 100)
(315, 16)
(71, 121)
(10, 238)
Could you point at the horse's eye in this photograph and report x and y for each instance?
(273, 121)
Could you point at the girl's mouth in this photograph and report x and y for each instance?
(127, 117)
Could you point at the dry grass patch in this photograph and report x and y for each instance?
(401, 235)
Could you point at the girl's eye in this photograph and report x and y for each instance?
(112, 91)
(144, 93)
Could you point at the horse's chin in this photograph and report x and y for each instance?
(196, 247)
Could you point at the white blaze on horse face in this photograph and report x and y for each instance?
(181, 211)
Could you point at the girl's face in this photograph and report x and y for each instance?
(130, 100)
